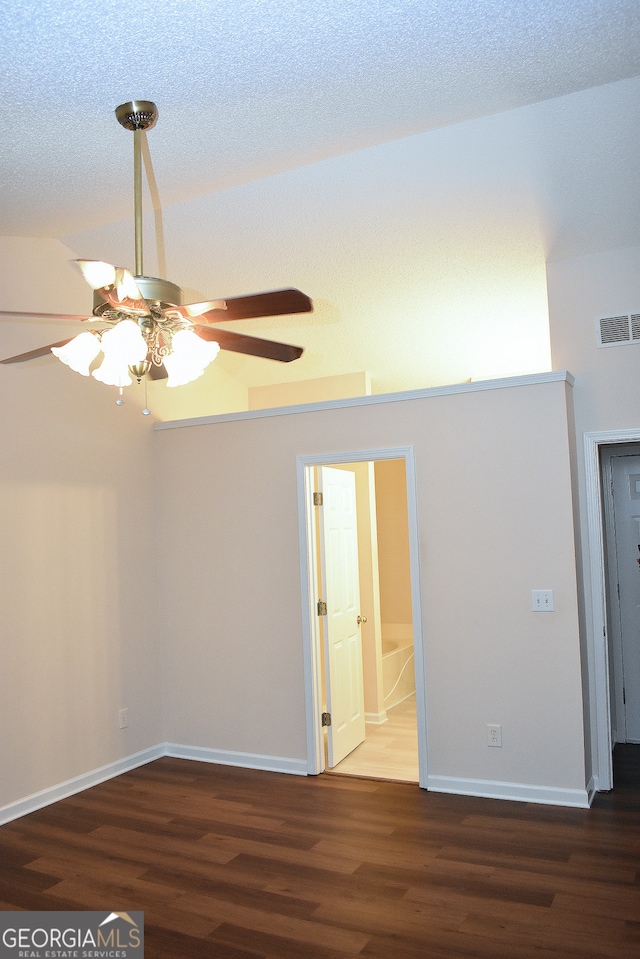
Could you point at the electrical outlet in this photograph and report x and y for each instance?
(123, 717)
(494, 734)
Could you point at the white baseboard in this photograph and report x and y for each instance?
(376, 719)
(445, 784)
(22, 807)
(62, 790)
(275, 764)
(520, 792)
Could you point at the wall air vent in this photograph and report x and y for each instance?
(618, 330)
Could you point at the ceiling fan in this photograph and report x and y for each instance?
(145, 329)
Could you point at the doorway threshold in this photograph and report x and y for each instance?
(389, 751)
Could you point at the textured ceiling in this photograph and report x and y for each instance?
(526, 116)
(247, 88)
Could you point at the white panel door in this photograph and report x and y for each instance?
(341, 593)
(626, 505)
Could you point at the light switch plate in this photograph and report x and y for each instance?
(542, 600)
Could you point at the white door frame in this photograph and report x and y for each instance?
(593, 484)
(308, 580)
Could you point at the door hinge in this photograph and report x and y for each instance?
(326, 719)
(322, 608)
(317, 499)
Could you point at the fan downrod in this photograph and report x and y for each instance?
(137, 115)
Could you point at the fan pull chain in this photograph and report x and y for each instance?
(120, 401)
(146, 411)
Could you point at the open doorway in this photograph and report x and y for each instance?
(375, 683)
(621, 506)
(386, 645)
(608, 678)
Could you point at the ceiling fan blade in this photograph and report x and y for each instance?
(252, 345)
(34, 354)
(115, 284)
(273, 303)
(157, 372)
(63, 317)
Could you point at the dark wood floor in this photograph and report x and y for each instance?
(239, 864)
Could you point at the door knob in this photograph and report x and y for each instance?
(361, 619)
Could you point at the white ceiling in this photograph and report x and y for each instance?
(251, 87)
(444, 235)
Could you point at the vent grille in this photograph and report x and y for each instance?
(618, 330)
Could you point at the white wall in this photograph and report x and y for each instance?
(495, 521)
(77, 595)
(606, 394)
(309, 391)
(580, 290)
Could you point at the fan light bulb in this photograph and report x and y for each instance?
(80, 352)
(190, 355)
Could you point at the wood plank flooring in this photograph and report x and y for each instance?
(231, 863)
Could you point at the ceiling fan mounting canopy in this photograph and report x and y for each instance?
(137, 115)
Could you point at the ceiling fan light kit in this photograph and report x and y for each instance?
(80, 352)
(149, 332)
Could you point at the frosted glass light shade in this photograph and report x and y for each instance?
(125, 342)
(123, 346)
(80, 352)
(190, 355)
(113, 372)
